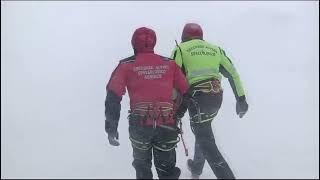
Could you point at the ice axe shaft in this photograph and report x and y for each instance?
(184, 145)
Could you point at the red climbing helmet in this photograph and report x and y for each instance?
(191, 31)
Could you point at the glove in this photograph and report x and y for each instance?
(177, 118)
(113, 139)
(178, 123)
(113, 135)
(241, 108)
(183, 107)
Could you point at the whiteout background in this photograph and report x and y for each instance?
(56, 58)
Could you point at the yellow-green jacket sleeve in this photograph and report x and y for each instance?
(228, 70)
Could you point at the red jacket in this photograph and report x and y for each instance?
(149, 79)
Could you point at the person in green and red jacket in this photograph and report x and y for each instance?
(202, 64)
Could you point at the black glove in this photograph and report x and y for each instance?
(183, 107)
(177, 118)
(112, 132)
(113, 138)
(241, 107)
(112, 113)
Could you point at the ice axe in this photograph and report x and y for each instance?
(184, 145)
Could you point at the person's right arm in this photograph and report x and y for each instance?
(228, 70)
(115, 90)
(181, 85)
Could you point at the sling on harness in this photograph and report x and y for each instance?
(207, 87)
(153, 115)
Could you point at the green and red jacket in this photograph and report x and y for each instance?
(202, 61)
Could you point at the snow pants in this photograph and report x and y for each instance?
(159, 141)
(202, 110)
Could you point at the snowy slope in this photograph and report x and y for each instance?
(56, 58)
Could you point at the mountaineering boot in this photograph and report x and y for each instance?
(190, 168)
(173, 174)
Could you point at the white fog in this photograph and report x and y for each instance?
(56, 58)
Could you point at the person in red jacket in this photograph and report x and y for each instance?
(149, 79)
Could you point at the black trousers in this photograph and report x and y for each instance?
(159, 141)
(205, 147)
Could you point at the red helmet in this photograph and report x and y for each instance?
(143, 40)
(191, 31)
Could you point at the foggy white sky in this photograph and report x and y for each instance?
(56, 58)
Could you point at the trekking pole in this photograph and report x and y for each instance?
(184, 145)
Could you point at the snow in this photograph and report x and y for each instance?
(56, 58)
